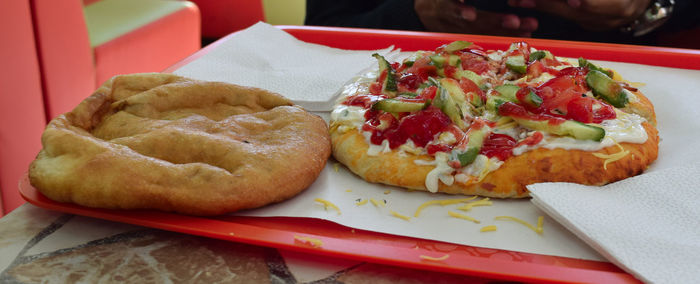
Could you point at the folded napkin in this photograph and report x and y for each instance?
(266, 57)
(648, 225)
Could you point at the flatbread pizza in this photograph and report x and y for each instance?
(465, 120)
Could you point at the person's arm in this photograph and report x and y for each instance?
(432, 15)
(389, 14)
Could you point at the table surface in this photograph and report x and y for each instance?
(39, 245)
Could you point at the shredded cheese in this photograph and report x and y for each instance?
(489, 228)
(483, 202)
(348, 190)
(387, 191)
(504, 120)
(540, 220)
(376, 203)
(508, 125)
(307, 240)
(336, 167)
(435, 258)
(397, 215)
(462, 216)
(609, 158)
(327, 204)
(361, 202)
(442, 202)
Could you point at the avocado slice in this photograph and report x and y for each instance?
(608, 89)
(572, 128)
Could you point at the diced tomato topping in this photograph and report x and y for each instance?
(422, 68)
(518, 111)
(434, 148)
(532, 140)
(574, 71)
(521, 48)
(604, 112)
(428, 93)
(551, 62)
(450, 71)
(535, 69)
(499, 146)
(580, 109)
(375, 88)
(476, 63)
(556, 93)
(409, 81)
(365, 101)
(468, 86)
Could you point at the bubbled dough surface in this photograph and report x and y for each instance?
(160, 141)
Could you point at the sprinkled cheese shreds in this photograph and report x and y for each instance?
(462, 216)
(609, 158)
(483, 202)
(376, 203)
(307, 240)
(336, 167)
(435, 258)
(508, 125)
(361, 202)
(489, 228)
(397, 215)
(540, 220)
(327, 204)
(441, 203)
(387, 191)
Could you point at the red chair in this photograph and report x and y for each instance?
(221, 17)
(81, 46)
(21, 106)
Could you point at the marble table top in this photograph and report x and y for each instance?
(43, 246)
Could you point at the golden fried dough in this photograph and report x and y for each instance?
(160, 141)
(510, 179)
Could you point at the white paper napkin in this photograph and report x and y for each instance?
(648, 225)
(266, 57)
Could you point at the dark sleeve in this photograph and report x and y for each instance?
(686, 15)
(378, 14)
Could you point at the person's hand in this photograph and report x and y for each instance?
(594, 15)
(456, 17)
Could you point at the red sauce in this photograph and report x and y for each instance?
(421, 127)
(499, 146)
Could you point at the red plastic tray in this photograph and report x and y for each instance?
(344, 242)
